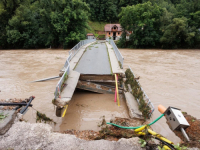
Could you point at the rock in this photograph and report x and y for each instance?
(8, 99)
(24, 135)
(133, 142)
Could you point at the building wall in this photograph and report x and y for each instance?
(90, 37)
(111, 34)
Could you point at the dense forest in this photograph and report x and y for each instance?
(63, 23)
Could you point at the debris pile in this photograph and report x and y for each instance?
(15, 100)
(40, 117)
(110, 133)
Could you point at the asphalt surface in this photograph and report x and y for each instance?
(95, 60)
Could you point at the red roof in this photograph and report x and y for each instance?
(108, 27)
(90, 34)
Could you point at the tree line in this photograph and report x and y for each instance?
(42, 23)
(161, 24)
(63, 23)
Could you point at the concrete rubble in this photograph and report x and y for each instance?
(24, 135)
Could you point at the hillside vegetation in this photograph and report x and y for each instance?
(55, 23)
(95, 25)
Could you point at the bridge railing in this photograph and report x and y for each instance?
(148, 101)
(117, 52)
(60, 85)
(72, 53)
(75, 50)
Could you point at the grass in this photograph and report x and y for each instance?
(95, 26)
(2, 116)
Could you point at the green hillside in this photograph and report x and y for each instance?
(95, 26)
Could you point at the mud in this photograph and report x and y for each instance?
(109, 132)
(86, 110)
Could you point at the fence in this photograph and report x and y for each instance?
(146, 97)
(117, 52)
(72, 53)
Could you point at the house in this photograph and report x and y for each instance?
(113, 30)
(90, 36)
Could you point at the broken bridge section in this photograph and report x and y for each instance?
(92, 68)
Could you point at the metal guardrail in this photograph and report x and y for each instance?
(60, 82)
(149, 103)
(117, 52)
(72, 53)
(76, 48)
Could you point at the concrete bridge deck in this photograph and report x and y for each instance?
(95, 60)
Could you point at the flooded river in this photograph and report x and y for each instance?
(169, 77)
(19, 67)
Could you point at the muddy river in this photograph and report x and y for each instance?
(169, 77)
(86, 109)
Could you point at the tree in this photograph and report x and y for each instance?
(45, 23)
(177, 34)
(143, 21)
(7, 10)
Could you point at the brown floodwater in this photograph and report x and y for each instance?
(19, 67)
(169, 77)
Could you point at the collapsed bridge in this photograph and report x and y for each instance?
(95, 66)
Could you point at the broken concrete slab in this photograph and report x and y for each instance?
(24, 135)
(90, 86)
(68, 91)
(7, 122)
(133, 107)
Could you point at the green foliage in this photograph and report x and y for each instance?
(144, 21)
(2, 116)
(177, 34)
(7, 10)
(137, 93)
(55, 23)
(102, 36)
(94, 25)
(40, 117)
(142, 142)
(44, 23)
(178, 147)
(161, 23)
